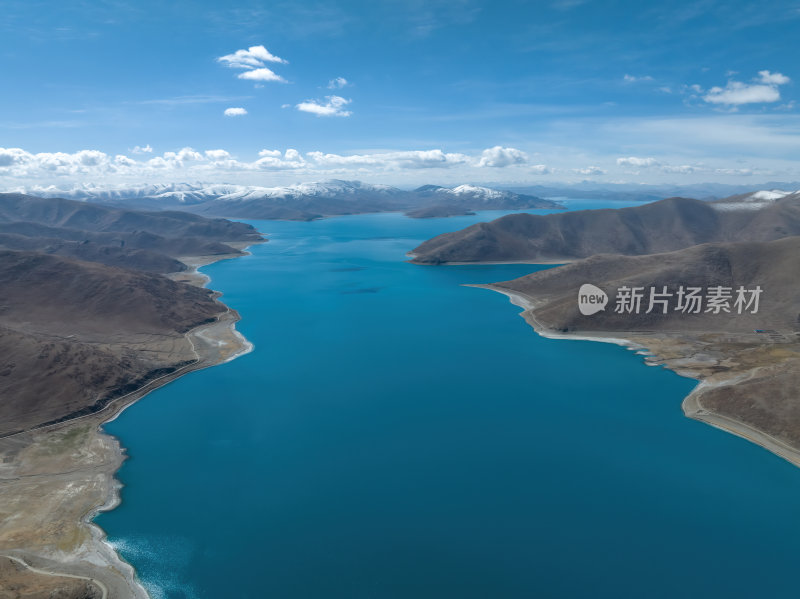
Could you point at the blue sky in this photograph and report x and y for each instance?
(398, 91)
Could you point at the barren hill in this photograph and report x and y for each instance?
(139, 240)
(749, 363)
(662, 226)
(75, 334)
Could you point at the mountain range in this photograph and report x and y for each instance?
(748, 363)
(661, 226)
(305, 201)
(86, 313)
(149, 241)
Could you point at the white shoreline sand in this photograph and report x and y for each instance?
(115, 498)
(95, 558)
(691, 405)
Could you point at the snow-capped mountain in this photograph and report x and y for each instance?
(483, 193)
(476, 196)
(301, 201)
(752, 201)
(192, 193)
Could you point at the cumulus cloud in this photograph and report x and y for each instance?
(500, 157)
(262, 74)
(235, 111)
(413, 159)
(142, 149)
(13, 156)
(334, 106)
(183, 156)
(744, 172)
(217, 163)
(682, 169)
(124, 161)
(274, 160)
(18, 162)
(637, 162)
(589, 171)
(338, 83)
(217, 155)
(634, 79)
(762, 90)
(736, 93)
(253, 62)
(253, 57)
(769, 78)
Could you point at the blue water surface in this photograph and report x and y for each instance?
(397, 435)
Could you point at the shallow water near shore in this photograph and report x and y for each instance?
(395, 434)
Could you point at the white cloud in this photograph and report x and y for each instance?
(13, 156)
(763, 90)
(634, 79)
(500, 157)
(262, 74)
(124, 161)
(414, 159)
(235, 111)
(338, 83)
(22, 169)
(736, 93)
(183, 156)
(253, 62)
(18, 162)
(91, 157)
(773, 78)
(589, 171)
(217, 155)
(142, 149)
(273, 160)
(682, 169)
(637, 162)
(743, 172)
(253, 57)
(333, 107)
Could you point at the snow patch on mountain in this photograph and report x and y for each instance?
(751, 201)
(195, 193)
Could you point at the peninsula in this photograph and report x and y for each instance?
(98, 306)
(747, 361)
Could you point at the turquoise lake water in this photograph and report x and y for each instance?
(397, 435)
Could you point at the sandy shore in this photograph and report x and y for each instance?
(64, 475)
(411, 257)
(693, 408)
(687, 361)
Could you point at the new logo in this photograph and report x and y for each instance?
(591, 299)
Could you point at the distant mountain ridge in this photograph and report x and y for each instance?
(305, 201)
(86, 314)
(753, 200)
(147, 241)
(64, 327)
(662, 226)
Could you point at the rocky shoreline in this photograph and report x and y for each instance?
(55, 479)
(717, 365)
